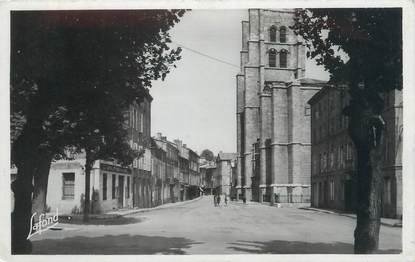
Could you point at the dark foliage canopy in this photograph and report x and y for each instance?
(370, 37)
(207, 154)
(74, 73)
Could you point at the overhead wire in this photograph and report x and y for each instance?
(204, 55)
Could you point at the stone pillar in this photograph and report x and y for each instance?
(240, 104)
(398, 193)
(266, 133)
(295, 137)
(279, 167)
(252, 89)
(251, 135)
(272, 198)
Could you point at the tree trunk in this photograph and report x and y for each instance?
(41, 184)
(88, 168)
(25, 153)
(20, 226)
(366, 130)
(369, 179)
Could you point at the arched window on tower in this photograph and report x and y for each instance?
(283, 34)
(273, 34)
(272, 58)
(283, 58)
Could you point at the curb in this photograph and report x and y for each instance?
(398, 224)
(135, 211)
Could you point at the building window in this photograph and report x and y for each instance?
(339, 153)
(272, 58)
(331, 190)
(104, 186)
(307, 110)
(272, 34)
(387, 191)
(127, 193)
(114, 178)
(134, 118)
(341, 156)
(342, 190)
(320, 165)
(349, 151)
(142, 123)
(320, 133)
(283, 34)
(283, 58)
(68, 180)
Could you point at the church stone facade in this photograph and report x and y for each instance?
(273, 117)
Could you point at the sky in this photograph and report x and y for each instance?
(196, 102)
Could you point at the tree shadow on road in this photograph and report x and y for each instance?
(111, 245)
(298, 247)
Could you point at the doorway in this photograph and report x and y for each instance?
(348, 195)
(120, 191)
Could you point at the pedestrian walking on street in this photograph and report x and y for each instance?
(226, 200)
(214, 200)
(218, 200)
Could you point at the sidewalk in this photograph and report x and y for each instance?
(383, 221)
(125, 212)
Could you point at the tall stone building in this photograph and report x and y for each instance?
(273, 118)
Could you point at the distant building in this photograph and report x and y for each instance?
(207, 174)
(184, 169)
(182, 178)
(333, 175)
(195, 181)
(225, 162)
(171, 182)
(273, 117)
(158, 173)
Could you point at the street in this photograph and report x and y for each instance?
(197, 227)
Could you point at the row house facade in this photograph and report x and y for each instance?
(333, 173)
(195, 181)
(171, 186)
(139, 128)
(111, 186)
(182, 176)
(165, 172)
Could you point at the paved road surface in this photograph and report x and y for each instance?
(200, 228)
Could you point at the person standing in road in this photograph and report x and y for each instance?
(226, 200)
(218, 200)
(214, 200)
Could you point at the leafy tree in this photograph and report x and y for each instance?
(207, 154)
(372, 40)
(73, 74)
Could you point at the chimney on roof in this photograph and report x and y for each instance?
(158, 136)
(178, 142)
(164, 138)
